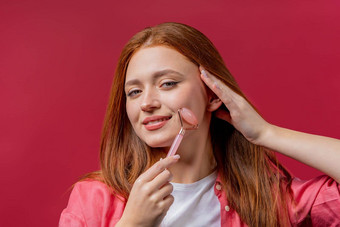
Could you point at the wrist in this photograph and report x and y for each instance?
(123, 223)
(266, 135)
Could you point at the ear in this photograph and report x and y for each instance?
(214, 103)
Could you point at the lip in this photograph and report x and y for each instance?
(156, 125)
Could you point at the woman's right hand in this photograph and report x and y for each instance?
(150, 196)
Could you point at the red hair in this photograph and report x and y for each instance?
(255, 183)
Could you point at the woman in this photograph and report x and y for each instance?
(224, 173)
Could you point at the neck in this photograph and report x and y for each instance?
(197, 160)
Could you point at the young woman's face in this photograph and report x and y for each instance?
(159, 81)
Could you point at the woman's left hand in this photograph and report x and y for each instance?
(242, 115)
(322, 153)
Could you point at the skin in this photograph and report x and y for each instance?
(150, 197)
(322, 153)
(159, 81)
(151, 95)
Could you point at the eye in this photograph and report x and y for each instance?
(169, 84)
(133, 93)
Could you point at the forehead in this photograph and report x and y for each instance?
(149, 60)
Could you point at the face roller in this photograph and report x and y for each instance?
(189, 117)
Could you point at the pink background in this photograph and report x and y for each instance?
(57, 60)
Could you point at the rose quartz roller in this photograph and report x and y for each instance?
(191, 119)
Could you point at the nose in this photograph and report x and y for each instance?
(150, 101)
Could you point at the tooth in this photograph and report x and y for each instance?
(156, 121)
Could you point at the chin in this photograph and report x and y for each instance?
(159, 142)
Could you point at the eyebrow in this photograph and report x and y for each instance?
(155, 76)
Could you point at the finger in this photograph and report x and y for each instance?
(166, 203)
(163, 192)
(161, 179)
(225, 93)
(157, 168)
(152, 187)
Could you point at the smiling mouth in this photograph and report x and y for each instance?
(157, 121)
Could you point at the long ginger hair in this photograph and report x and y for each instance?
(254, 182)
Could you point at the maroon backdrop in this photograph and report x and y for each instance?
(57, 60)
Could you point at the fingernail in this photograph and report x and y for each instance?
(216, 85)
(204, 73)
(176, 156)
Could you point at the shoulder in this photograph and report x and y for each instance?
(92, 201)
(91, 187)
(318, 190)
(317, 199)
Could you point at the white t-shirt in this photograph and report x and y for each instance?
(195, 205)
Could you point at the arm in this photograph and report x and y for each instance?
(320, 152)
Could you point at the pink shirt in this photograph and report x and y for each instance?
(317, 204)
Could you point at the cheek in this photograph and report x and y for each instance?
(198, 100)
(131, 110)
(178, 99)
(192, 96)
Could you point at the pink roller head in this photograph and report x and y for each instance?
(189, 117)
